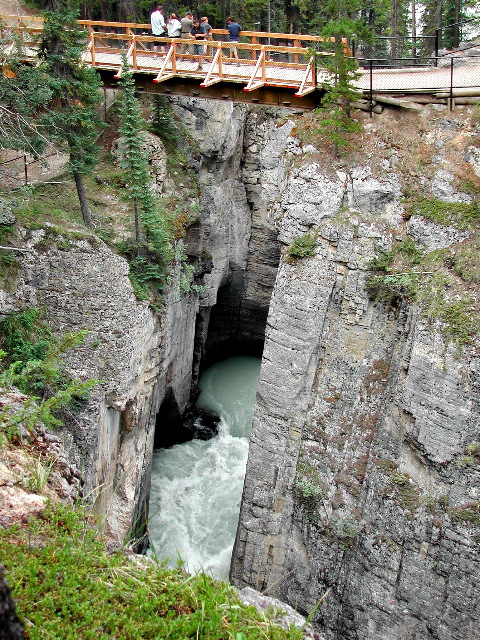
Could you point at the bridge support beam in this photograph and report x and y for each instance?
(225, 91)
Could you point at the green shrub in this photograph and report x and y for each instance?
(68, 587)
(25, 335)
(309, 489)
(302, 247)
(406, 274)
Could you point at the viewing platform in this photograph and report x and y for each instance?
(273, 68)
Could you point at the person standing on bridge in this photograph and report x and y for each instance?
(233, 36)
(207, 28)
(198, 33)
(158, 27)
(186, 25)
(174, 27)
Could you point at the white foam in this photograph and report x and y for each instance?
(197, 486)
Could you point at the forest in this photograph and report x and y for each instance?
(416, 23)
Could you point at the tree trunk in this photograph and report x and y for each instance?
(82, 196)
(414, 30)
(137, 226)
(456, 28)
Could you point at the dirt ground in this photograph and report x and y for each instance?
(14, 8)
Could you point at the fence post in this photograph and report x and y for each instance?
(25, 168)
(451, 83)
(437, 44)
(371, 88)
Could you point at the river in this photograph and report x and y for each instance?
(197, 486)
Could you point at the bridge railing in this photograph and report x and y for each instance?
(276, 59)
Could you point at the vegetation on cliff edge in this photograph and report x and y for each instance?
(68, 587)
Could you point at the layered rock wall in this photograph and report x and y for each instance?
(145, 360)
(354, 488)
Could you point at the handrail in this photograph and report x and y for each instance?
(300, 37)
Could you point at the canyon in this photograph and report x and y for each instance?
(358, 488)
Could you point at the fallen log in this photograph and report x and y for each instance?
(364, 105)
(404, 104)
(467, 100)
(459, 93)
(426, 99)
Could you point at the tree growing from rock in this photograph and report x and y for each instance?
(335, 121)
(134, 162)
(73, 115)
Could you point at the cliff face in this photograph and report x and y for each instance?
(355, 483)
(148, 363)
(356, 480)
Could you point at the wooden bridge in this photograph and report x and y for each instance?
(273, 68)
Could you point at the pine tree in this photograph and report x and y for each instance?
(73, 115)
(336, 122)
(135, 164)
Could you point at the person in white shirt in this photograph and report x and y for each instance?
(174, 27)
(158, 27)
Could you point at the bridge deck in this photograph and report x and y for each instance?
(266, 59)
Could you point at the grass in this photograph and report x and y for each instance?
(462, 215)
(38, 473)
(67, 587)
(439, 281)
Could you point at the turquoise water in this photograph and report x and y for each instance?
(197, 486)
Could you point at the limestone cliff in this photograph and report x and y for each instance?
(363, 474)
(149, 362)
(356, 485)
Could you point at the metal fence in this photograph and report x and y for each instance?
(449, 79)
(415, 47)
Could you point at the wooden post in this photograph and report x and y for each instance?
(296, 43)
(92, 40)
(174, 56)
(220, 62)
(134, 51)
(253, 52)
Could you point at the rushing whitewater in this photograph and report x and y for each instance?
(197, 486)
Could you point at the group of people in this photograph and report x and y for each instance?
(187, 28)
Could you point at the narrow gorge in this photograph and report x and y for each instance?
(362, 483)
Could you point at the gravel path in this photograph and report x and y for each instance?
(14, 8)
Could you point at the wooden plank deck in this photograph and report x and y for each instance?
(266, 59)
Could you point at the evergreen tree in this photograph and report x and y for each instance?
(135, 164)
(24, 91)
(73, 115)
(336, 122)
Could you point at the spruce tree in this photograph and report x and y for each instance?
(73, 115)
(134, 162)
(336, 122)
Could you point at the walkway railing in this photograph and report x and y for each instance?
(264, 59)
(273, 59)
